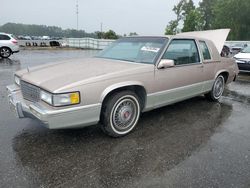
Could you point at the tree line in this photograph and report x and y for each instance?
(53, 31)
(212, 14)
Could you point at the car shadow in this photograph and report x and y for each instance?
(162, 139)
(8, 61)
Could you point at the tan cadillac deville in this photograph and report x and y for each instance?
(133, 75)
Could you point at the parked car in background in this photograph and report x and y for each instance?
(45, 38)
(28, 37)
(54, 43)
(133, 75)
(237, 48)
(20, 37)
(243, 60)
(8, 45)
(35, 38)
(56, 38)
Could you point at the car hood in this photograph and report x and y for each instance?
(64, 75)
(242, 56)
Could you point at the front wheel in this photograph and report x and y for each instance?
(5, 52)
(120, 113)
(217, 90)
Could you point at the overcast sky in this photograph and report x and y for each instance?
(146, 17)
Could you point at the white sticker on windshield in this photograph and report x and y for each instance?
(150, 49)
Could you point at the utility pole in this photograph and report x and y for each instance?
(77, 12)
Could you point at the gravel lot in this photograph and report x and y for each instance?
(194, 143)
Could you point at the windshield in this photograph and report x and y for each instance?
(135, 49)
(246, 50)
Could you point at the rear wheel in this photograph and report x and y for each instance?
(120, 113)
(5, 52)
(217, 90)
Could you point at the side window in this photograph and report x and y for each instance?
(4, 37)
(182, 51)
(205, 50)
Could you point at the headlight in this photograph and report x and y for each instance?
(17, 80)
(61, 99)
(46, 97)
(66, 99)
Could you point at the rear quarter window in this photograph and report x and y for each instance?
(205, 50)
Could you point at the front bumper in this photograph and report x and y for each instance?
(73, 117)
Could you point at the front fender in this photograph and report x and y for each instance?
(119, 85)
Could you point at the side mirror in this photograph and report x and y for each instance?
(166, 63)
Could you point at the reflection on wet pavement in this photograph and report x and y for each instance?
(194, 143)
(9, 62)
(163, 139)
(239, 91)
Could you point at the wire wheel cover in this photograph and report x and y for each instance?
(218, 87)
(124, 114)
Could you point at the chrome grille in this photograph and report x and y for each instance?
(30, 92)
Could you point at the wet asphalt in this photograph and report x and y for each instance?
(194, 143)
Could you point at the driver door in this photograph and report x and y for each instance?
(182, 81)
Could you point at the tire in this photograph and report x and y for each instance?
(120, 113)
(5, 52)
(217, 90)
